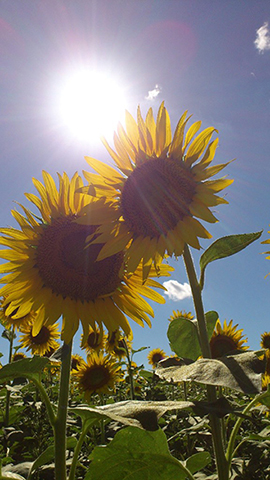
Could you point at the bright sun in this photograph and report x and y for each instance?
(91, 105)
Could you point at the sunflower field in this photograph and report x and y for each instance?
(88, 256)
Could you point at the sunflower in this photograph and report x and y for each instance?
(99, 375)
(161, 184)
(94, 340)
(76, 362)
(226, 339)
(117, 344)
(265, 381)
(18, 356)
(155, 356)
(41, 343)
(11, 320)
(181, 313)
(51, 272)
(265, 340)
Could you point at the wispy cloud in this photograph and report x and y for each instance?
(177, 291)
(262, 41)
(152, 94)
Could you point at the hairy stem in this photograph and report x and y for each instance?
(60, 424)
(221, 461)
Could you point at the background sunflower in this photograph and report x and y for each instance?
(226, 339)
(43, 342)
(98, 375)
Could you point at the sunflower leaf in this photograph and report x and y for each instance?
(241, 372)
(224, 247)
(27, 367)
(198, 461)
(183, 337)
(132, 412)
(135, 454)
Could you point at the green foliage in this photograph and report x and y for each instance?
(183, 335)
(225, 247)
(27, 367)
(136, 454)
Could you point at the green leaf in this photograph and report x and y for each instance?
(135, 454)
(198, 461)
(211, 320)
(183, 337)
(224, 247)
(27, 367)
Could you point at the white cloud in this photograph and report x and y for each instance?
(262, 42)
(177, 291)
(152, 94)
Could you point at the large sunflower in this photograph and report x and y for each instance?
(226, 339)
(99, 375)
(51, 272)
(41, 343)
(161, 184)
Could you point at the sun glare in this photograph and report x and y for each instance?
(91, 105)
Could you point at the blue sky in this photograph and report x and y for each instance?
(212, 58)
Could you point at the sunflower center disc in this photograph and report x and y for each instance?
(70, 269)
(42, 337)
(221, 345)
(93, 340)
(96, 377)
(156, 196)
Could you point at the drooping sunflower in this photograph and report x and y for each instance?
(117, 344)
(51, 272)
(99, 375)
(94, 340)
(226, 339)
(11, 320)
(41, 343)
(155, 356)
(181, 313)
(265, 340)
(160, 185)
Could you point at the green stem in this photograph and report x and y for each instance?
(60, 440)
(45, 398)
(130, 372)
(77, 451)
(221, 461)
(6, 421)
(230, 449)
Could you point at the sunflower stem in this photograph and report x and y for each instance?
(11, 340)
(60, 425)
(221, 461)
(77, 450)
(130, 372)
(230, 449)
